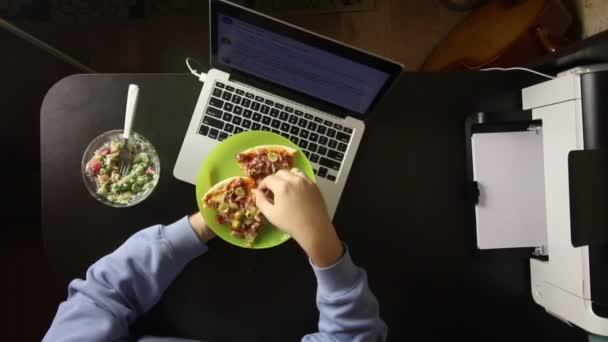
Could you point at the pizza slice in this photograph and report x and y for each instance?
(261, 161)
(235, 204)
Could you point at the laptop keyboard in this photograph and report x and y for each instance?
(231, 110)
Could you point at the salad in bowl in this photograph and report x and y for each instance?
(101, 169)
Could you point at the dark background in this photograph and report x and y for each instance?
(29, 289)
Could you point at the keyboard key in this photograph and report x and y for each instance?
(237, 130)
(214, 112)
(213, 122)
(322, 172)
(332, 164)
(247, 113)
(266, 120)
(259, 99)
(312, 126)
(229, 128)
(312, 147)
(257, 117)
(240, 92)
(229, 88)
(274, 113)
(314, 158)
(294, 139)
(278, 105)
(323, 140)
(302, 123)
(247, 124)
(314, 137)
(308, 116)
(331, 133)
(303, 144)
(322, 150)
(256, 126)
(294, 130)
(269, 102)
(228, 106)
(219, 85)
(222, 136)
(283, 116)
(238, 110)
(343, 137)
(304, 134)
(265, 128)
(321, 129)
(336, 155)
(217, 92)
(226, 96)
(227, 117)
(348, 130)
(249, 95)
(236, 120)
(318, 119)
(204, 130)
(333, 143)
(275, 123)
(288, 109)
(299, 112)
(265, 109)
(293, 119)
(255, 106)
(276, 131)
(214, 101)
(327, 123)
(342, 147)
(285, 127)
(213, 133)
(306, 153)
(331, 178)
(285, 135)
(338, 127)
(236, 99)
(246, 103)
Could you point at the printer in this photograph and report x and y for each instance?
(539, 180)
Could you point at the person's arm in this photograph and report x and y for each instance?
(348, 309)
(128, 282)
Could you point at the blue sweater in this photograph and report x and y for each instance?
(125, 284)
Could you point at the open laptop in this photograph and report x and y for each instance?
(272, 76)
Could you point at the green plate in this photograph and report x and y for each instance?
(221, 164)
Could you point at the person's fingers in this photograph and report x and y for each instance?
(261, 201)
(272, 182)
(299, 173)
(287, 175)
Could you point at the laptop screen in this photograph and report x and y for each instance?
(312, 66)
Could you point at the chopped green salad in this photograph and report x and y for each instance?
(104, 168)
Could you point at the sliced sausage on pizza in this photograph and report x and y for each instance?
(261, 161)
(235, 204)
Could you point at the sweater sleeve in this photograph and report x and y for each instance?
(125, 284)
(348, 310)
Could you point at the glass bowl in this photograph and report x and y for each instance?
(138, 144)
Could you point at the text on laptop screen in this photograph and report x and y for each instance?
(297, 66)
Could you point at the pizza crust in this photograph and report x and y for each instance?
(274, 148)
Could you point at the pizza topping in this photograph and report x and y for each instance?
(273, 156)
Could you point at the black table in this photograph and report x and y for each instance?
(411, 232)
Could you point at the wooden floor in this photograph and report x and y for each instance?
(403, 30)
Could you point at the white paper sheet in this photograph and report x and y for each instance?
(509, 170)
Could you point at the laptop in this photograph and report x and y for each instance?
(272, 76)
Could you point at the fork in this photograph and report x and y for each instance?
(125, 156)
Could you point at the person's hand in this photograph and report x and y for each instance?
(298, 209)
(201, 229)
